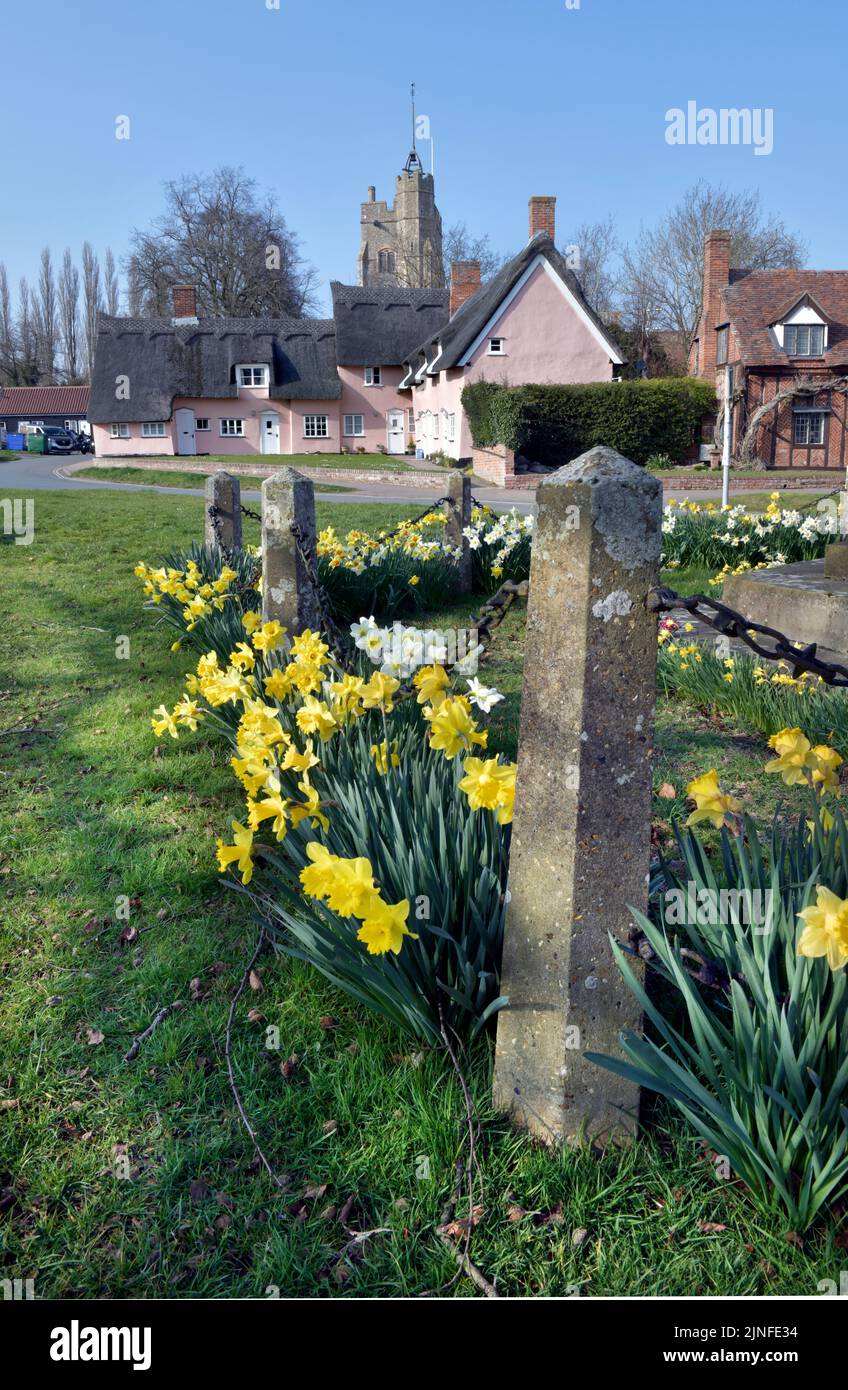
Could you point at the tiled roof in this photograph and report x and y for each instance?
(44, 400)
(755, 299)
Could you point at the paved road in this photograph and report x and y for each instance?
(38, 472)
(41, 472)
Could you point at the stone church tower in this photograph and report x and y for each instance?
(402, 244)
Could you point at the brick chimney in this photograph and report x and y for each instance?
(543, 217)
(716, 278)
(465, 281)
(185, 302)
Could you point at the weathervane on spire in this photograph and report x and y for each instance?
(413, 163)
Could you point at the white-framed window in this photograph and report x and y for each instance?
(316, 426)
(411, 417)
(232, 429)
(70, 425)
(120, 431)
(809, 427)
(354, 425)
(373, 376)
(497, 347)
(452, 427)
(153, 429)
(435, 424)
(201, 423)
(252, 374)
(803, 339)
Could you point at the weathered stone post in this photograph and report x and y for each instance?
(288, 594)
(458, 511)
(581, 837)
(223, 492)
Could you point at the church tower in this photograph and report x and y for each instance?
(402, 243)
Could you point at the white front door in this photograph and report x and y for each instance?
(186, 441)
(269, 429)
(397, 435)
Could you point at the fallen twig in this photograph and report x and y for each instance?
(283, 1182)
(160, 1018)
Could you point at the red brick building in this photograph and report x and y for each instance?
(780, 331)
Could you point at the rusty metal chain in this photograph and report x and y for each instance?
(254, 516)
(309, 559)
(729, 623)
(495, 609)
(412, 521)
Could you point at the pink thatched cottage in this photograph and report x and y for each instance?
(189, 385)
(530, 324)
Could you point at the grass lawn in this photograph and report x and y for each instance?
(164, 477)
(7, 454)
(385, 463)
(135, 1179)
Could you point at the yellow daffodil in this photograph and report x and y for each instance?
(384, 926)
(165, 722)
(793, 753)
(487, 784)
(378, 753)
(314, 717)
(279, 684)
(431, 683)
(452, 730)
(379, 692)
(825, 763)
(240, 853)
(710, 802)
(250, 622)
(269, 637)
(299, 762)
(825, 928)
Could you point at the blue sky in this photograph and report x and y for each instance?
(524, 97)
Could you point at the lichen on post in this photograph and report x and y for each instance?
(288, 549)
(223, 511)
(581, 836)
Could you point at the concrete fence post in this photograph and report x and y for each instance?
(581, 837)
(223, 492)
(288, 594)
(458, 512)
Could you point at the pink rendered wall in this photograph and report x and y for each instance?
(546, 341)
(373, 402)
(250, 406)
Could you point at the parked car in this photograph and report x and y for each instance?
(58, 440)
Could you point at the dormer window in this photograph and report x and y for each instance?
(252, 374)
(804, 339)
(373, 376)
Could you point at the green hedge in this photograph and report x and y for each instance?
(553, 424)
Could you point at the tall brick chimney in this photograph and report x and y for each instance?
(716, 278)
(465, 281)
(185, 301)
(543, 217)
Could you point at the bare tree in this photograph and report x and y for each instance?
(663, 270)
(238, 252)
(459, 245)
(92, 302)
(597, 249)
(8, 334)
(27, 336)
(46, 314)
(111, 288)
(69, 319)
